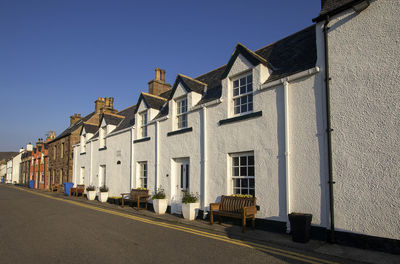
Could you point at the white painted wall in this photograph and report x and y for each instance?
(365, 101)
(9, 171)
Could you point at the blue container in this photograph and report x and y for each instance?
(67, 187)
(31, 184)
(2, 180)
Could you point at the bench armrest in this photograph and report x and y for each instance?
(214, 206)
(250, 210)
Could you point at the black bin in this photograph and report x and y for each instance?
(300, 225)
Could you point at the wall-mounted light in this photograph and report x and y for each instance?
(118, 162)
(167, 175)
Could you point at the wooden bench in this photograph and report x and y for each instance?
(79, 189)
(137, 196)
(234, 207)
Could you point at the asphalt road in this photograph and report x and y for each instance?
(40, 229)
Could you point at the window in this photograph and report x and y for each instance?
(62, 150)
(55, 152)
(243, 173)
(143, 174)
(243, 95)
(102, 135)
(143, 128)
(182, 113)
(42, 177)
(82, 176)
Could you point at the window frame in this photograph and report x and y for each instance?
(143, 174)
(181, 115)
(102, 136)
(250, 179)
(239, 96)
(144, 119)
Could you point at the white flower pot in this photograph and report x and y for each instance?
(103, 197)
(190, 210)
(91, 195)
(160, 205)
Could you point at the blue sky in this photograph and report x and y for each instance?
(57, 57)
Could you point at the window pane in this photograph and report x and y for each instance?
(236, 161)
(250, 107)
(245, 183)
(243, 109)
(252, 192)
(243, 171)
(237, 109)
(245, 191)
(243, 161)
(236, 92)
(237, 102)
(251, 171)
(236, 83)
(244, 100)
(236, 183)
(250, 160)
(235, 171)
(249, 88)
(249, 78)
(236, 191)
(243, 81)
(250, 98)
(251, 183)
(242, 89)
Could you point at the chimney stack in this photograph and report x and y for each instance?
(75, 118)
(158, 85)
(29, 147)
(99, 105)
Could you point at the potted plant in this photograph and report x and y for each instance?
(103, 194)
(91, 192)
(160, 203)
(190, 206)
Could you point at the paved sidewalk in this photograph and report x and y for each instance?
(254, 236)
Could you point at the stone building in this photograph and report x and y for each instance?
(60, 149)
(25, 165)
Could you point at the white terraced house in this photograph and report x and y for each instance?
(307, 124)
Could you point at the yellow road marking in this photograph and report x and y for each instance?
(264, 248)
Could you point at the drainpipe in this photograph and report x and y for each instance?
(204, 162)
(131, 160)
(287, 151)
(329, 133)
(157, 165)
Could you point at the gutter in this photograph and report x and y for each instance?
(290, 78)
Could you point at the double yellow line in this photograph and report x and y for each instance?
(260, 247)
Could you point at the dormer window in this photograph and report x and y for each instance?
(143, 123)
(102, 135)
(181, 113)
(243, 95)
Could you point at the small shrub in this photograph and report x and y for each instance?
(242, 195)
(141, 188)
(103, 188)
(90, 188)
(160, 194)
(190, 198)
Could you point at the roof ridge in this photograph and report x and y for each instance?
(187, 77)
(127, 108)
(252, 52)
(155, 96)
(116, 115)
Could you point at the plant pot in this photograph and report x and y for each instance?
(103, 197)
(160, 205)
(300, 226)
(190, 210)
(91, 195)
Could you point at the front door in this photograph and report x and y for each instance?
(181, 184)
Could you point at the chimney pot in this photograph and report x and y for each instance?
(163, 75)
(158, 76)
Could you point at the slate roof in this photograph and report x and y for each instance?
(190, 84)
(166, 94)
(290, 55)
(112, 119)
(72, 128)
(333, 7)
(8, 155)
(129, 120)
(90, 128)
(152, 101)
